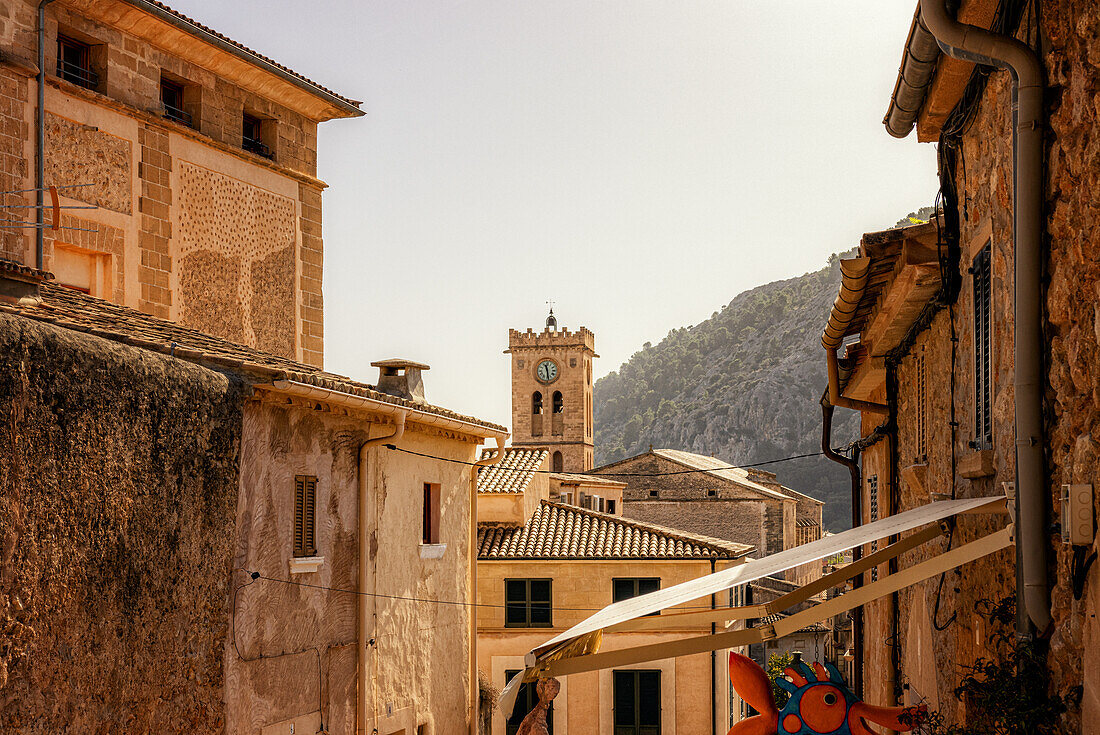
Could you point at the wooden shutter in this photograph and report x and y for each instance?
(305, 515)
(983, 389)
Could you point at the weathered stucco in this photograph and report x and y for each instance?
(418, 663)
(118, 490)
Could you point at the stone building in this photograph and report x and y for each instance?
(705, 495)
(185, 166)
(552, 393)
(185, 521)
(977, 340)
(541, 573)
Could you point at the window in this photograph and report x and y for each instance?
(557, 463)
(625, 588)
(611, 507)
(305, 516)
(526, 699)
(252, 136)
(637, 702)
(74, 62)
(527, 603)
(922, 407)
(653, 493)
(431, 513)
(872, 511)
(983, 389)
(536, 403)
(171, 102)
(559, 404)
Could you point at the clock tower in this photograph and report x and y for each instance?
(552, 393)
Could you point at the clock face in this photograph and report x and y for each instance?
(547, 371)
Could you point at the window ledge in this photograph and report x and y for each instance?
(306, 564)
(432, 551)
(977, 464)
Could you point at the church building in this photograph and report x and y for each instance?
(552, 393)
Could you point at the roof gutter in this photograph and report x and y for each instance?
(918, 66)
(971, 43)
(162, 13)
(854, 276)
(305, 390)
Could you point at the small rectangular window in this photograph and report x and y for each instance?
(305, 515)
(253, 139)
(74, 62)
(174, 103)
(624, 588)
(611, 507)
(637, 702)
(431, 513)
(983, 351)
(527, 603)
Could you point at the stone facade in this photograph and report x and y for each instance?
(535, 423)
(113, 137)
(939, 625)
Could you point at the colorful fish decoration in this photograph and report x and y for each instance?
(820, 703)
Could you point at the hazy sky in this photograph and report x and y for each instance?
(640, 163)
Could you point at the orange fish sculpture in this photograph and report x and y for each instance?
(820, 703)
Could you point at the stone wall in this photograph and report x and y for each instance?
(116, 535)
(930, 657)
(14, 166)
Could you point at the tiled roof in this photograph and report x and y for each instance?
(200, 30)
(24, 271)
(559, 531)
(571, 478)
(776, 617)
(80, 312)
(513, 473)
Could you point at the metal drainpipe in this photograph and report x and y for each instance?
(713, 671)
(40, 136)
(976, 44)
(474, 688)
(852, 466)
(364, 564)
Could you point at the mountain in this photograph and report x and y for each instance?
(744, 386)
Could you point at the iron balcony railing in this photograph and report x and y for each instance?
(255, 146)
(77, 74)
(175, 114)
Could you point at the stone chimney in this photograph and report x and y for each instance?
(20, 283)
(401, 378)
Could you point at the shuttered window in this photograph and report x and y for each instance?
(872, 509)
(305, 515)
(922, 408)
(637, 702)
(983, 350)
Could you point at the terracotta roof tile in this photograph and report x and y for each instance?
(80, 312)
(559, 531)
(513, 473)
(203, 29)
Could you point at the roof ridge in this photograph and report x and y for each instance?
(653, 527)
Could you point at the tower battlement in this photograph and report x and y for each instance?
(531, 339)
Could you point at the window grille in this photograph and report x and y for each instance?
(74, 62)
(922, 408)
(527, 603)
(983, 322)
(305, 515)
(252, 136)
(872, 510)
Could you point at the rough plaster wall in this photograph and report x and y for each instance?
(118, 492)
(419, 660)
(238, 242)
(80, 154)
(308, 634)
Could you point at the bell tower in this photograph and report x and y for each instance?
(552, 393)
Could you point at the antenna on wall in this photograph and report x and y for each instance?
(55, 205)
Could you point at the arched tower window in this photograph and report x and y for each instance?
(556, 462)
(536, 402)
(559, 404)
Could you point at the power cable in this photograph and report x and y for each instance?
(395, 448)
